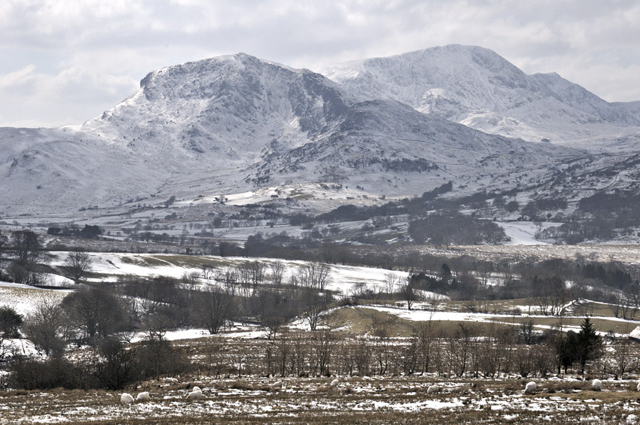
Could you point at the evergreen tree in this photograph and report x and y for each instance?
(588, 344)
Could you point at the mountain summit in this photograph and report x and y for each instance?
(227, 108)
(477, 87)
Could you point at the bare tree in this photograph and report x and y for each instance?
(277, 272)
(525, 360)
(550, 293)
(321, 348)
(77, 265)
(391, 280)
(257, 273)
(3, 248)
(425, 334)
(362, 356)
(93, 314)
(314, 276)
(156, 324)
(459, 347)
(214, 308)
(207, 272)
(28, 252)
(624, 356)
(244, 274)
(273, 323)
(632, 292)
(27, 246)
(273, 308)
(484, 269)
(190, 279)
(624, 306)
(527, 335)
(313, 304)
(408, 294)
(44, 326)
(228, 275)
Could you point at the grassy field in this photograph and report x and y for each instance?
(601, 325)
(369, 321)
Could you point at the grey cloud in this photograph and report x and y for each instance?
(593, 43)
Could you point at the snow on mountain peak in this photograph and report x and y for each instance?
(236, 123)
(230, 106)
(478, 87)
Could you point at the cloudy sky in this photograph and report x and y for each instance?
(66, 61)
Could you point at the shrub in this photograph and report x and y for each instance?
(156, 357)
(117, 369)
(10, 322)
(30, 374)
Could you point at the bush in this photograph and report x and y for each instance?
(30, 374)
(44, 326)
(116, 367)
(156, 357)
(10, 322)
(512, 206)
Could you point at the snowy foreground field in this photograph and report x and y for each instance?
(323, 400)
(235, 369)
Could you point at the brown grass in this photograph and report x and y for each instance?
(364, 320)
(305, 403)
(602, 325)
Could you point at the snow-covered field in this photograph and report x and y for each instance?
(260, 399)
(426, 314)
(374, 400)
(523, 232)
(341, 278)
(24, 298)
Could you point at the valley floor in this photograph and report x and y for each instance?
(375, 400)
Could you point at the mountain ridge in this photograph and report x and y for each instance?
(477, 87)
(238, 123)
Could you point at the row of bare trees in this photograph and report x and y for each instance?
(252, 274)
(458, 352)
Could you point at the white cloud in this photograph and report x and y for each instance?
(30, 98)
(115, 43)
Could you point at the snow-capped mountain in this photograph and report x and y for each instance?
(191, 124)
(277, 122)
(387, 147)
(394, 126)
(227, 109)
(477, 87)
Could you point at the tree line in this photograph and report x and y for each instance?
(464, 351)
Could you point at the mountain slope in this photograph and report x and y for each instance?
(237, 123)
(388, 148)
(210, 118)
(476, 87)
(226, 109)
(48, 170)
